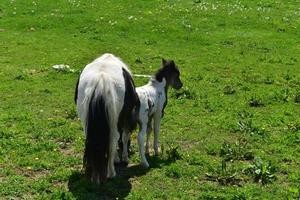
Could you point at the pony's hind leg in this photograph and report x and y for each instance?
(116, 158)
(112, 152)
(149, 129)
(125, 139)
(157, 120)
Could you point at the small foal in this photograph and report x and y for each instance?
(153, 99)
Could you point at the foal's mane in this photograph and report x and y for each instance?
(164, 71)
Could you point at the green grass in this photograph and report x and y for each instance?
(240, 66)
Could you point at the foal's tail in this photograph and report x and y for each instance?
(100, 115)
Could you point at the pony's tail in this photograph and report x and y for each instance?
(97, 141)
(76, 91)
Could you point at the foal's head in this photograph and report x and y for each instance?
(170, 72)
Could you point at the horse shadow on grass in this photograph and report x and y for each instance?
(116, 188)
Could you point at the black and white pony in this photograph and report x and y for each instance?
(107, 105)
(153, 100)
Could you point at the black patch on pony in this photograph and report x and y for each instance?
(76, 91)
(97, 142)
(165, 72)
(129, 114)
(150, 106)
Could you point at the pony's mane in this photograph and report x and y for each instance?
(155, 82)
(159, 74)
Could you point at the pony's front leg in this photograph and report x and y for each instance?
(114, 137)
(157, 119)
(125, 138)
(141, 134)
(117, 159)
(149, 129)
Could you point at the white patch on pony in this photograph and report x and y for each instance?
(104, 74)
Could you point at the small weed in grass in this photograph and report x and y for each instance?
(297, 98)
(236, 151)
(245, 121)
(285, 95)
(20, 77)
(262, 172)
(173, 153)
(255, 102)
(138, 61)
(245, 124)
(228, 152)
(228, 89)
(223, 175)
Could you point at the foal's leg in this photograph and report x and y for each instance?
(149, 129)
(116, 158)
(125, 139)
(157, 119)
(141, 143)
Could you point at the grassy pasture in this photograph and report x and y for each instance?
(232, 132)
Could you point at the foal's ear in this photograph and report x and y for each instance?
(172, 63)
(164, 62)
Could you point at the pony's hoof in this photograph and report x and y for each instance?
(156, 152)
(117, 160)
(111, 175)
(125, 159)
(145, 164)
